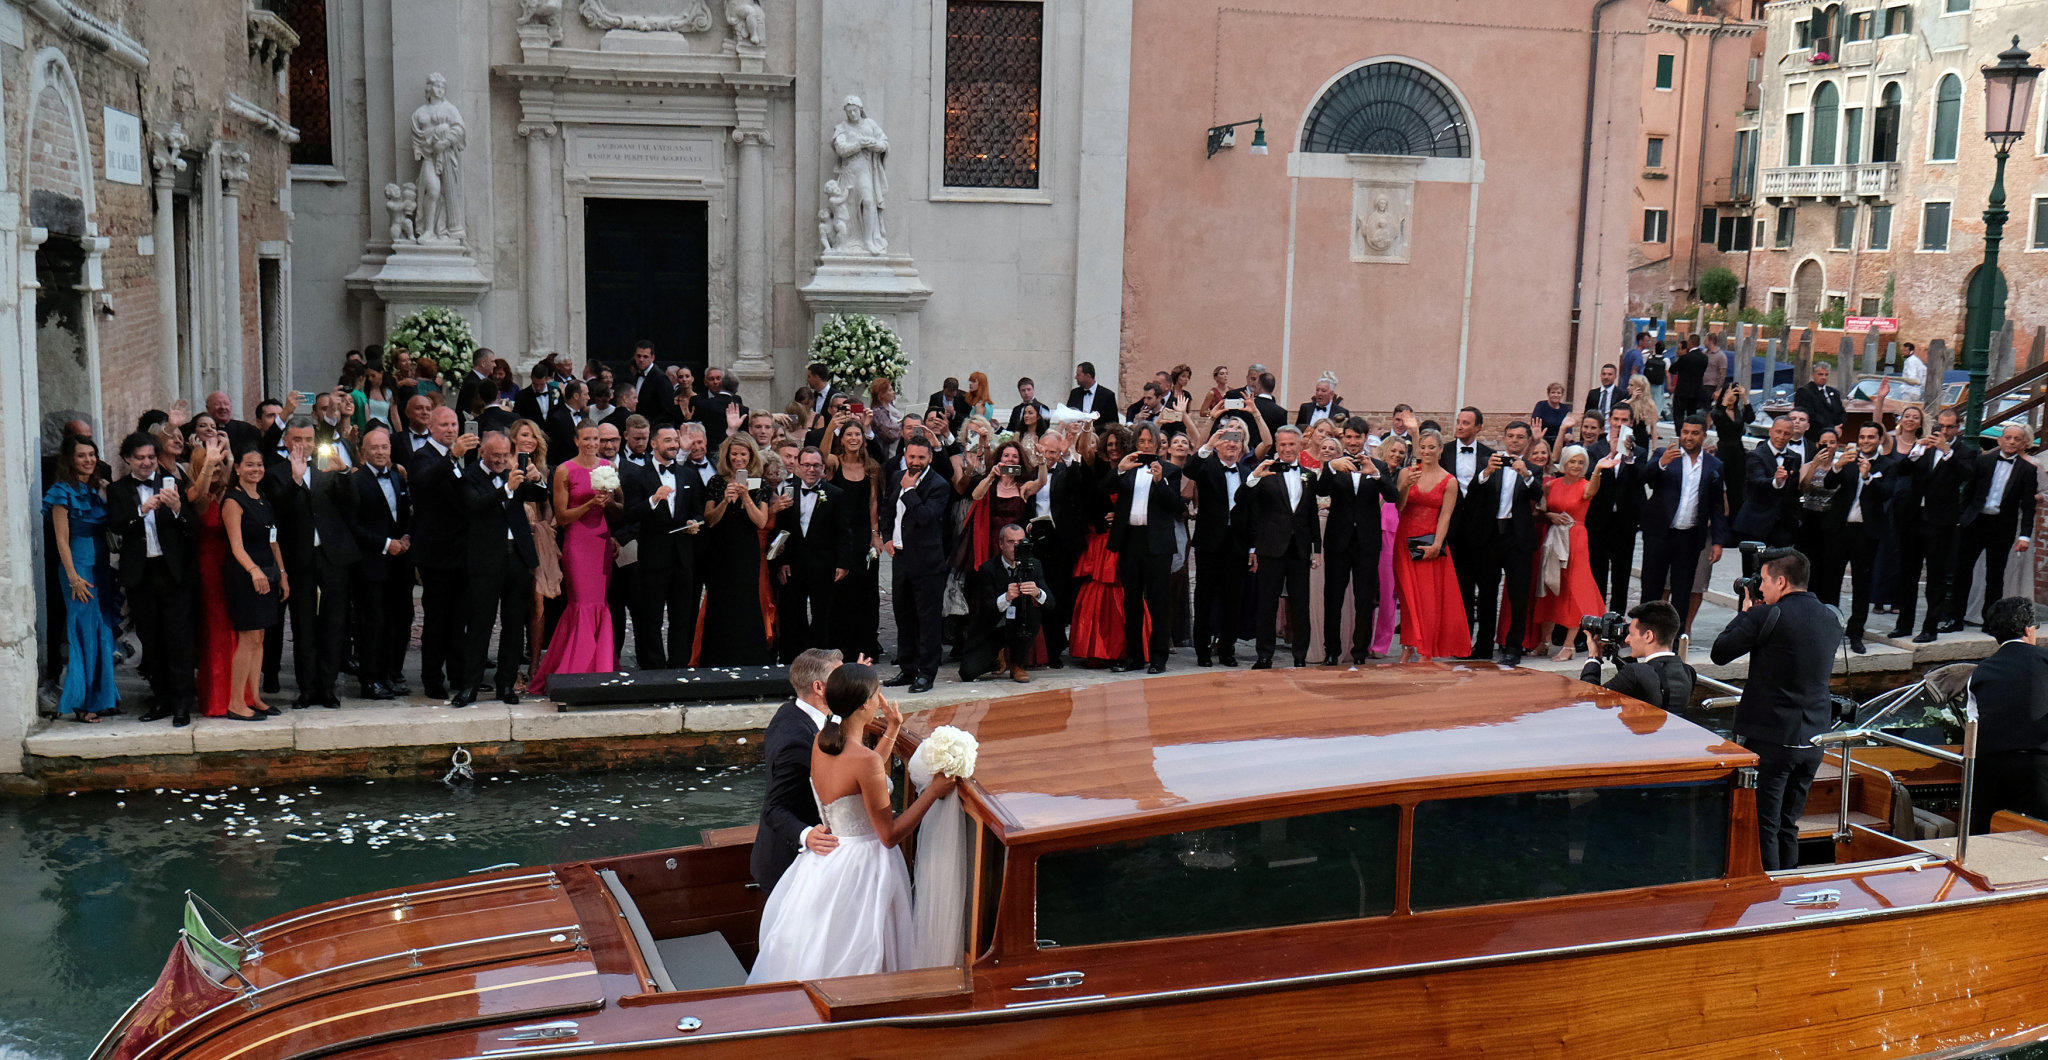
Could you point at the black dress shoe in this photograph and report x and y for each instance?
(1856, 645)
(1263, 662)
(435, 689)
(182, 716)
(1228, 658)
(922, 684)
(156, 713)
(1950, 626)
(1056, 662)
(900, 680)
(462, 699)
(270, 686)
(331, 703)
(301, 702)
(1511, 658)
(1330, 659)
(508, 695)
(1124, 666)
(1900, 631)
(1925, 636)
(1156, 668)
(379, 690)
(1203, 658)
(398, 688)
(258, 716)
(1300, 661)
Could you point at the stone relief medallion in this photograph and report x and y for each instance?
(686, 16)
(1380, 214)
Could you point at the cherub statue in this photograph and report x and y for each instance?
(836, 216)
(749, 24)
(399, 202)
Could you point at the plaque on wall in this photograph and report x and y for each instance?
(1380, 214)
(642, 154)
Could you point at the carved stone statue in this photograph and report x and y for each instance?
(862, 147)
(834, 220)
(400, 202)
(749, 24)
(438, 139)
(1380, 229)
(544, 13)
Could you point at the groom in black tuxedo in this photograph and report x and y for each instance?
(789, 811)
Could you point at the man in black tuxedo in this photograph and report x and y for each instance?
(498, 566)
(413, 429)
(913, 526)
(1854, 523)
(662, 510)
(242, 435)
(1325, 406)
(477, 389)
(654, 398)
(1770, 489)
(1614, 513)
(382, 523)
(565, 417)
(437, 550)
(151, 534)
(1465, 456)
(824, 545)
(1141, 533)
(1266, 405)
(1501, 527)
(1058, 530)
(1088, 396)
(789, 811)
(712, 407)
(1686, 513)
(1821, 403)
(287, 484)
(1791, 639)
(818, 377)
(1215, 482)
(1998, 516)
(1007, 603)
(1281, 513)
(1604, 398)
(538, 398)
(1650, 672)
(2011, 690)
(1942, 475)
(953, 401)
(330, 507)
(1357, 485)
(636, 436)
(1027, 394)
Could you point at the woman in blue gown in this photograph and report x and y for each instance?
(78, 519)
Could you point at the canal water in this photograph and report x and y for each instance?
(93, 884)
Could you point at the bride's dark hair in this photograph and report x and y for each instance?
(846, 691)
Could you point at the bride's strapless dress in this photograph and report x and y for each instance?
(843, 913)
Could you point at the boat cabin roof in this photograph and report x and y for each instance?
(1143, 753)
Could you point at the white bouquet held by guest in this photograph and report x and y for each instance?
(604, 477)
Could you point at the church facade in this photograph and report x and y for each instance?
(718, 176)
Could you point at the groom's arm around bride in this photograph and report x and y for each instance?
(789, 812)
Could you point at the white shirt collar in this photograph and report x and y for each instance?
(818, 716)
(1655, 655)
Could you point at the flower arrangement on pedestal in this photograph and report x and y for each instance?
(859, 349)
(440, 333)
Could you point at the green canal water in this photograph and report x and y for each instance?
(94, 884)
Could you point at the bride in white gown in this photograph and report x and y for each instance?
(847, 912)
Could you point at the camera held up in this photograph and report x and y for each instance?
(1611, 629)
(1749, 587)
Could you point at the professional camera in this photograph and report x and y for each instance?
(1025, 552)
(1749, 587)
(1611, 629)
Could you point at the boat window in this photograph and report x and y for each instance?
(1506, 848)
(1296, 870)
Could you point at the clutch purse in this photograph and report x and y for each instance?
(1419, 543)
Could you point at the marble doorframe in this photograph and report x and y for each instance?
(722, 283)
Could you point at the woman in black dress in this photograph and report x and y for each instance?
(734, 631)
(857, 603)
(1731, 415)
(257, 585)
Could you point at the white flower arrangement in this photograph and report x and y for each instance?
(439, 333)
(604, 477)
(858, 350)
(946, 752)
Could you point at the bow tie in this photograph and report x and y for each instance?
(700, 463)
(1468, 449)
(380, 475)
(810, 489)
(498, 480)
(2006, 459)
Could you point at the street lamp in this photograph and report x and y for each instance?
(1222, 136)
(2008, 94)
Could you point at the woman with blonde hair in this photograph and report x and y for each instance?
(530, 449)
(1432, 607)
(735, 631)
(1643, 404)
(582, 642)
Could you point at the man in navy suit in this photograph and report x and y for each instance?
(1686, 514)
(913, 527)
(1998, 515)
(789, 812)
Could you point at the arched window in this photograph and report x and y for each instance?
(1388, 108)
(1948, 116)
(1827, 103)
(1884, 134)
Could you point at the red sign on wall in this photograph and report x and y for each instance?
(1859, 325)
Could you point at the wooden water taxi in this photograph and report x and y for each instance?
(1403, 860)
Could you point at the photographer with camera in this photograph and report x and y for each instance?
(1009, 601)
(1651, 672)
(1790, 637)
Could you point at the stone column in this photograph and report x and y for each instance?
(751, 258)
(234, 174)
(168, 160)
(544, 263)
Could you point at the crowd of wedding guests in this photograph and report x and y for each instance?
(531, 529)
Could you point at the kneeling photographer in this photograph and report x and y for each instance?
(1651, 672)
(1790, 637)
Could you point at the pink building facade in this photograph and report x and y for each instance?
(1439, 187)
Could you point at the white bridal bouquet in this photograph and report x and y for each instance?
(946, 752)
(604, 477)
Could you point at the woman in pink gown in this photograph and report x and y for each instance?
(583, 636)
(1432, 609)
(1394, 453)
(1567, 497)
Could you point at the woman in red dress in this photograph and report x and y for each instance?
(1433, 621)
(1097, 638)
(1567, 497)
(204, 490)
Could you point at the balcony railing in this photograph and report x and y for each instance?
(1866, 179)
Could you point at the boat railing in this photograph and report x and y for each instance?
(1844, 741)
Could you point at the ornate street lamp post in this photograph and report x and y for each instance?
(2008, 94)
